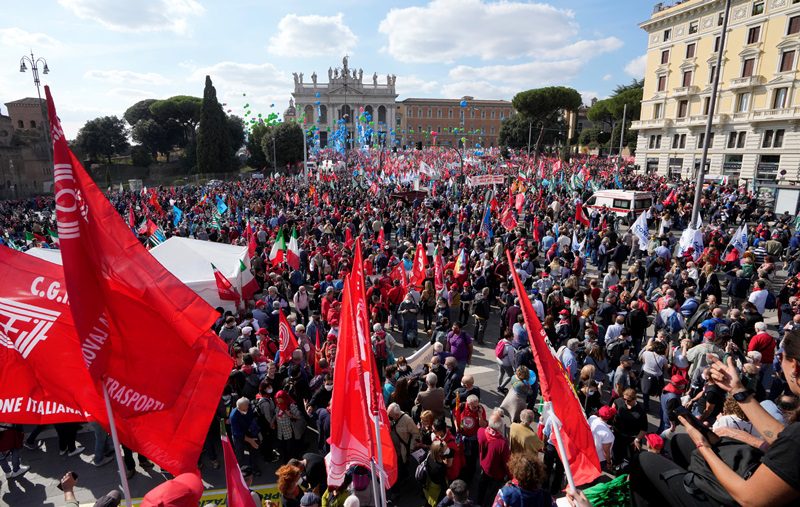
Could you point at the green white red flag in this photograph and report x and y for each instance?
(278, 253)
(293, 252)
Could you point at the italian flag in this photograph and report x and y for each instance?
(248, 281)
(224, 288)
(53, 236)
(293, 253)
(278, 253)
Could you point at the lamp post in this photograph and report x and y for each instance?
(34, 63)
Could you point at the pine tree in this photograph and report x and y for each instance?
(213, 139)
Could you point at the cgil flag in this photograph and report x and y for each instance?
(224, 288)
(420, 266)
(580, 215)
(399, 273)
(581, 453)
(238, 492)
(438, 270)
(507, 220)
(641, 232)
(119, 294)
(288, 342)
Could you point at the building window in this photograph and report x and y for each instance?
(758, 8)
(720, 18)
(740, 139)
(483, 114)
(794, 25)
(716, 43)
(33, 124)
(683, 108)
(20, 124)
(693, 26)
(747, 67)
(773, 138)
(701, 140)
(711, 73)
(687, 78)
(667, 34)
(682, 143)
(767, 141)
(676, 139)
(430, 112)
(652, 142)
(779, 99)
(438, 113)
(665, 56)
(753, 34)
(743, 102)
(472, 113)
(732, 140)
(491, 114)
(690, 50)
(662, 83)
(491, 131)
(658, 111)
(450, 114)
(658, 142)
(787, 61)
(410, 113)
(706, 104)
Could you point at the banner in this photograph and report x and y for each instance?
(485, 179)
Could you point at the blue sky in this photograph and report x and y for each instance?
(104, 55)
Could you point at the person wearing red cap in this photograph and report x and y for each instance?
(603, 435)
(655, 443)
(184, 490)
(670, 400)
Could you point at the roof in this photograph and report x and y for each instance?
(32, 101)
(622, 193)
(455, 102)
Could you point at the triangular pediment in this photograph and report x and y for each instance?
(345, 90)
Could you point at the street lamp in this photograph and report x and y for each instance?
(34, 63)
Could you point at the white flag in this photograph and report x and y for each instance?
(686, 241)
(697, 244)
(699, 223)
(739, 239)
(641, 232)
(576, 247)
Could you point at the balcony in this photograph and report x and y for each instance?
(701, 119)
(655, 123)
(785, 113)
(745, 82)
(685, 90)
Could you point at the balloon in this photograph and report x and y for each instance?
(244, 95)
(463, 139)
(272, 105)
(316, 94)
(463, 103)
(316, 103)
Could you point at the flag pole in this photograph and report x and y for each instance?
(555, 426)
(117, 451)
(380, 491)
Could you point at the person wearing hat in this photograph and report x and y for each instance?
(184, 490)
(248, 474)
(670, 400)
(603, 435)
(655, 443)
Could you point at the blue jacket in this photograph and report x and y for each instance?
(243, 425)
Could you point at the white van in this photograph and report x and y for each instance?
(620, 202)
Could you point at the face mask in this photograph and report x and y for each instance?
(591, 392)
(269, 390)
(328, 387)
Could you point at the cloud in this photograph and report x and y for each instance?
(413, 86)
(607, 77)
(19, 38)
(130, 94)
(502, 30)
(480, 89)
(138, 16)
(126, 77)
(309, 36)
(263, 85)
(636, 67)
(587, 96)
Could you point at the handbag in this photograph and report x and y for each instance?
(741, 458)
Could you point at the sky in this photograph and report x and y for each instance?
(105, 55)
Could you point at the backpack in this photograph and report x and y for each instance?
(381, 352)
(564, 332)
(614, 352)
(500, 349)
(771, 302)
(421, 473)
(674, 323)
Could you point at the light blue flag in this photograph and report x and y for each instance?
(177, 215)
(221, 206)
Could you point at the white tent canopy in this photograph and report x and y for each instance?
(190, 261)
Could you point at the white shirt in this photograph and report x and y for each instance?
(602, 435)
(538, 307)
(759, 298)
(613, 332)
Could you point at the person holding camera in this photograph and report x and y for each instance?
(703, 471)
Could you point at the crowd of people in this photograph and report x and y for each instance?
(645, 332)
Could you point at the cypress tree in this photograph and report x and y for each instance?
(213, 140)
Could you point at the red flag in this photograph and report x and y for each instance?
(520, 202)
(131, 217)
(155, 204)
(238, 492)
(348, 238)
(536, 235)
(399, 273)
(288, 342)
(251, 240)
(438, 270)
(356, 393)
(296, 199)
(119, 295)
(671, 198)
(557, 389)
(224, 288)
(580, 216)
(316, 199)
(381, 239)
(420, 265)
(493, 204)
(507, 220)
